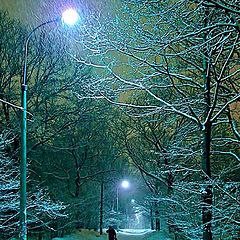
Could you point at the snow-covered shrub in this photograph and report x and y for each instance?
(41, 210)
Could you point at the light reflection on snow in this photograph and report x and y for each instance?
(135, 231)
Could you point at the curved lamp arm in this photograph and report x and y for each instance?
(24, 81)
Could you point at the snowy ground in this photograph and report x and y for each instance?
(124, 234)
(133, 234)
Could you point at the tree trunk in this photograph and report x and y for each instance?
(151, 218)
(157, 220)
(206, 146)
(40, 235)
(207, 188)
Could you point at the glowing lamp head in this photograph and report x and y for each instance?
(125, 184)
(70, 16)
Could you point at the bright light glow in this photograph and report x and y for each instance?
(132, 200)
(70, 16)
(125, 184)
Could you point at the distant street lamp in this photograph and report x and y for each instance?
(69, 17)
(124, 184)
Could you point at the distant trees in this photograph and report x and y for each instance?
(77, 163)
(12, 39)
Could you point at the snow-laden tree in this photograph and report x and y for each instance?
(178, 60)
(9, 186)
(42, 211)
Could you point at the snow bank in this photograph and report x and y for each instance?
(83, 234)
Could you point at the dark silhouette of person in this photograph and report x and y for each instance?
(111, 233)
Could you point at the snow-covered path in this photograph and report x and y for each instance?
(124, 234)
(130, 235)
(142, 235)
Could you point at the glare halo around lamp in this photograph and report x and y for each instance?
(125, 184)
(70, 16)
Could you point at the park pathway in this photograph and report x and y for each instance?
(143, 236)
(124, 234)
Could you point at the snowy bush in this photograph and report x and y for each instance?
(41, 210)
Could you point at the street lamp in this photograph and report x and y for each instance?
(69, 17)
(124, 184)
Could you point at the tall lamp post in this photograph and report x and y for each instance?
(70, 17)
(124, 184)
(101, 209)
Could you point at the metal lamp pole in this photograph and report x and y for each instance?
(117, 208)
(117, 200)
(124, 184)
(23, 163)
(101, 208)
(70, 17)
